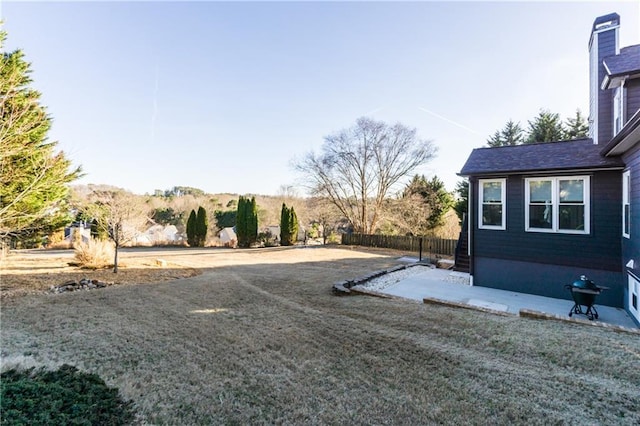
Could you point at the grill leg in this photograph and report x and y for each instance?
(575, 310)
(591, 312)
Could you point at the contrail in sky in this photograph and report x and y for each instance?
(373, 111)
(154, 112)
(450, 121)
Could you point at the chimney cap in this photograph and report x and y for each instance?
(605, 21)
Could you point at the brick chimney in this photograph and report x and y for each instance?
(603, 43)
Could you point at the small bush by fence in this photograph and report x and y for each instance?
(429, 245)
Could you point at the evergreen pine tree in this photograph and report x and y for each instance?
(191, 229)
(33, 176)
(241, 222)
(288, 226)
(98, 231)
(252, 221)
(577, 127)
(546, 127)
(293, 226)
(284, 225)
(202, 225)
(247, 222)
(511, 134)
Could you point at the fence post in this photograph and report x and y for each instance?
(420, 245)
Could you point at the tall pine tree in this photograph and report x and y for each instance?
(33, 176)
(577, 127)
(241, 224)
(247, 221)
(284, 224)
(202, 225)
(192, 238)
(288, 225)
(545, 127)
(252, 221)
(511, 134)
(293, 225)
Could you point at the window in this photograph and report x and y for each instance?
(492, 204)
(618, 110)
(634, 291)
(626, 206)
(557, 204)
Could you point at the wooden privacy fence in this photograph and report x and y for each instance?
(429, 245)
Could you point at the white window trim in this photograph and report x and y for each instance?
(503, 183)
(617, 113)
(626, 186)
(618, 108)
(555, 202)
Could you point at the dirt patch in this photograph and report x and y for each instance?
(23, 273)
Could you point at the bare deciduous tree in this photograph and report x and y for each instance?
(359, 166)
(121, 214)
(325, 214)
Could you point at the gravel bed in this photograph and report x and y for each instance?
(386, 280)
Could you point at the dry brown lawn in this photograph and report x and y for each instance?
(33, 271)
(258, 338)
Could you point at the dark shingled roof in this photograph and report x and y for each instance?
(553, 156)
(627, 62)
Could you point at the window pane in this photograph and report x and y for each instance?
(571, 191)
(571, 217)
(540, 191)
(492, 192)
(626, 219)
(540, 216)
(492, 214)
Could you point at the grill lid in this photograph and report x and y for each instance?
(585, 283)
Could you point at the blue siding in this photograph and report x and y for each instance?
(544, 279)
(541, 263)
(598, 250)
(631, 246)
(632, 89)
(606, 47)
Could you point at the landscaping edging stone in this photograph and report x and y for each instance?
(83, 284)
(528, 313)
(343, 288)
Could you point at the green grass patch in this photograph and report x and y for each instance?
(62, 397)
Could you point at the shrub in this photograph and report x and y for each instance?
(334, 238)
(95, 254)
(57, 241)
(65, 396)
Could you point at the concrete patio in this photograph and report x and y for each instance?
(443, 285)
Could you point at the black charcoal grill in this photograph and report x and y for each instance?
(584, 293)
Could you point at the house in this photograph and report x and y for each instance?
(228, 237)
(77, 228)
(541, 215)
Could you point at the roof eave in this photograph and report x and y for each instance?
(541, 171)
(627, 137)
(614, 80)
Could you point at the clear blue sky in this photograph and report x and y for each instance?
(222, 96)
